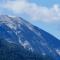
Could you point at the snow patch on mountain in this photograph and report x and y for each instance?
(26, 45)
(58, 51)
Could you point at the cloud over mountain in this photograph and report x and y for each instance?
(36, 12)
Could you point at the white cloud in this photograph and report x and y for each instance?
(35, 11)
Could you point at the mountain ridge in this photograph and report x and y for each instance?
(18, 31)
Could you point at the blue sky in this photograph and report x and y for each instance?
(42, 13)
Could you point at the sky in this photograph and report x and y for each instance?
(42, 13)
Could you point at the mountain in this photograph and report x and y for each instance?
(21, 40)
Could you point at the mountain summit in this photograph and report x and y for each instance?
(20, 39)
